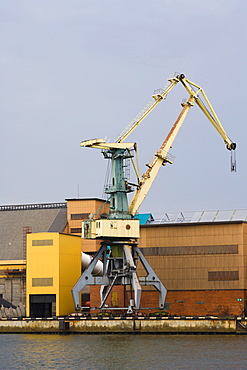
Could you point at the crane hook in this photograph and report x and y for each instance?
(233, 160)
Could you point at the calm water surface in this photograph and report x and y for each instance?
(113, 352)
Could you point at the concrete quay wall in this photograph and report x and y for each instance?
(128, 325)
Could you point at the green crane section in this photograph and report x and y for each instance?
(119, 188)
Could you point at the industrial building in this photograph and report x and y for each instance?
(37, 270)
(53, 266)
(202, 261)
(15, 222)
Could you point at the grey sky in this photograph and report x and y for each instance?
(76, 70)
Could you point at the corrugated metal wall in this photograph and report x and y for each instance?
(197, 257)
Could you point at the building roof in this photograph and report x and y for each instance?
(76, 199)
(145, 218)
(235, 215)
(6, 304)
(220, 215)
(50, 217)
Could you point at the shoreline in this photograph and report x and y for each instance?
(128, 325)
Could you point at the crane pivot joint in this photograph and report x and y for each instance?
(232, 146)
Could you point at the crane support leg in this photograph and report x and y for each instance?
(135, 281)
(87, 278)
(119, 268)
(151, 278)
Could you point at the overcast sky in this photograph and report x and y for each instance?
(76, 70)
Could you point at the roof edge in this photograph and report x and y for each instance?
(167, 224)
(21, 207)
(76, 199)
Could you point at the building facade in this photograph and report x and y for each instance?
(53, 267)
(16, 221)
(202, 263)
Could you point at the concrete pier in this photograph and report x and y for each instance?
(129, 325)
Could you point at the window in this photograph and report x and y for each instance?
(37, 243)
(167, 306)
(42, 281)
(190, 250)
(79, 216)
(42, 298)
(76, 230)
(222, 275)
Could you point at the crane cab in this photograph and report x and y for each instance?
(111, 228)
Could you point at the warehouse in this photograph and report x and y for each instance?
(201, 261)
(15, 222)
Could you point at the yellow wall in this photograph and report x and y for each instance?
(69, 271)
(60, 261)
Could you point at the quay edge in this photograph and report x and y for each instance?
(140, 325)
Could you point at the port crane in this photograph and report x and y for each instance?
(119, 232)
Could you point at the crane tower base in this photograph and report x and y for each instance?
(120, 260)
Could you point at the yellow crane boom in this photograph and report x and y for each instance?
(158, 96)
(162, 155)
(207, 110)
(161, 158)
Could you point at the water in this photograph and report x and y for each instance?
(113, 352)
